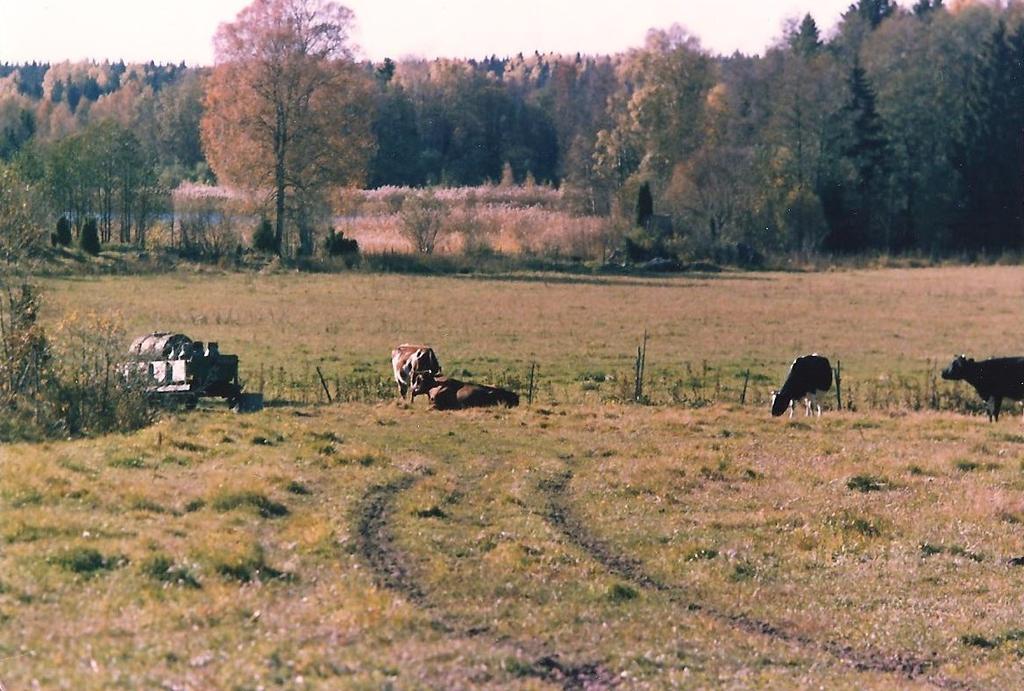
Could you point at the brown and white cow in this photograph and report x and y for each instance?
(407, 360)
(452, 394)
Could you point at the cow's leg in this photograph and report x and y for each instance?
(998, 405)
(792, 407)
(807, 406)
(408, 372)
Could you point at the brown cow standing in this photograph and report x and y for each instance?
(452, 394)
(408, 360)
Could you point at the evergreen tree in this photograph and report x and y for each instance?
(264, 239)
(644, 205)
(992, 160)
(923, 8)
(806, 40)
(89, 240)
(857, 215)
(386, 71)
(866, 145)
(872, 11)
(63, 231)
(397, 158)
(337, 245)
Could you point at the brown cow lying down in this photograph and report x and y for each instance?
(452, 394)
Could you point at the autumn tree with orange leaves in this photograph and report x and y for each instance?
(287, 110)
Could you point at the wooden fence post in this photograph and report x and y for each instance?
(743, 394)
(529, 394)
(839, 379)
(323, 383)
(641, 362)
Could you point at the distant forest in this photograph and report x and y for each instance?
(902, 131)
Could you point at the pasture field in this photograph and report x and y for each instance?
(890, 328)
(578, 542)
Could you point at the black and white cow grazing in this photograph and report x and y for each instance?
(407, 360)
(993, 379)
(808, 376)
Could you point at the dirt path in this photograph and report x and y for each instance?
(391, 568)
(559, 514)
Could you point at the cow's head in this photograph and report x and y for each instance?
(422, 382)
(779, 405)
(958, 368)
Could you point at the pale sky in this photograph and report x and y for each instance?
(176, 30)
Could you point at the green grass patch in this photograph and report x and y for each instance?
(188, 446)
(25, 497)
(852, 523)
(978, 641)
(743, 571)
(27, 532)
(264, 506)
(701, 554)
(129, 462)
(620, 592)
(86, 561)
(249, 567)
(145, 504)
(296, 487)
(928, 549)
(867, 483)
(162, 568)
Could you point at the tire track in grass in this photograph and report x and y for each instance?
(559, 514)
(376, 543)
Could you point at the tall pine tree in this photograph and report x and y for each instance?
(923, 8)
(857, 217)
(806, 40)
(992, 148)
(874, 11)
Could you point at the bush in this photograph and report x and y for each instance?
(337, 245)
(70, 387)
(89, 240)
(422, 220)
(19, 217)
(89, 391)
(264, 240)
(25, 360)
(64, 232)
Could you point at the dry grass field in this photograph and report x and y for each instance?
(578, 542)
(882, 325)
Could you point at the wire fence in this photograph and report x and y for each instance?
(688, 385)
